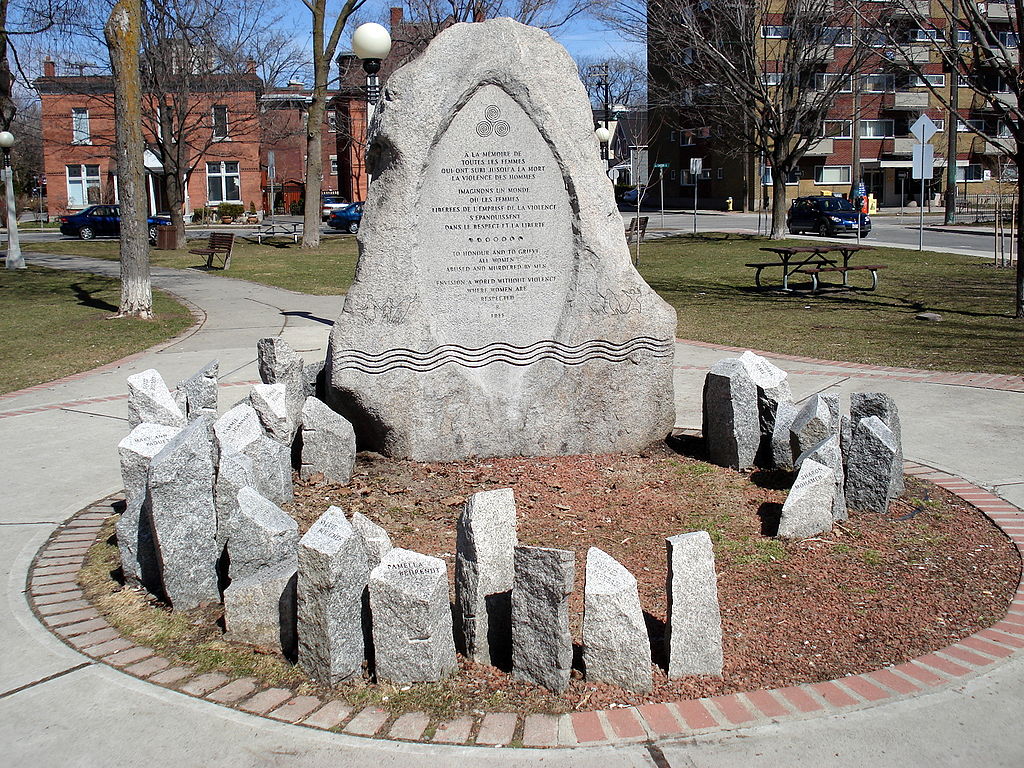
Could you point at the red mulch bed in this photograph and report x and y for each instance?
(876, 591)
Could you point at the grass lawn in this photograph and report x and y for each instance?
(703, 277)
(55, 323)
(324, 271)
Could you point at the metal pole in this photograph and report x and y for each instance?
(695, 204)
(661, 181)
(920, 239)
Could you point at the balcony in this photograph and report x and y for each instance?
(912, 100)
(822, 148)
(916, 53)
(904, 145)
(998, 12)
(913, 8)
(991, 149)
(822, 54)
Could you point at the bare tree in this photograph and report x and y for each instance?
(325, 44)
(123, 32)
(626, 79)
(761, 78)
(979, 48)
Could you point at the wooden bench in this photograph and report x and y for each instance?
(814, 272)
(220, 244)
(634, 230)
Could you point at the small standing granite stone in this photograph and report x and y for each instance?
(872, 463)
(827, 452)
(279, 364)
(313, 380)
(136, 451)
(333, 573)
(731, 423)
(200, 391)
(782, 445)
(150, 401)
(817, 419)
(808, 507)
(260, 609)
(693, 634)
(263, 536)
(375, 539)
(412, 618)
(328, 443)
(270, 402)
(541, 642)
(139, 562)
(234, 472)
(772, 389)
(183, 516)
(485, 539)
(616, 646)
(864, 404)
(240, 429)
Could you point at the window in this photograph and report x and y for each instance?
(672, 137)
(940, 124)
(1008, 172)
(774, 32)
(964, 126)
(963, 81)
(876, 129)
(1007, 40)
(80, 126)
(686, 139)
(332, 121)
(1004, 130)
(334, 165)
(672, 175)
(720, 173)
(924, 35)
(963, 36)
(835, 36)
(923, 81)
(824, 80)
(772, 78)
(220, 122)
(878, 83)
(222, 182)
(792, 178)
(969, 173)
(832, 174)
(83, 185)
(837, 129)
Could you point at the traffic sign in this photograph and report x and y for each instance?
(661, 165)
(696, 165)
(923, 129)
(924, 161)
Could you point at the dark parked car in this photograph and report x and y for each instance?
(826, 216)
(331, 203)
(347, 218)
(103, 220)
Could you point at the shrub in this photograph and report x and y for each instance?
(230, 209)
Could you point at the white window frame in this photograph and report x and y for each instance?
(775, 31)
(940, 123)
(767, 179)
(964, 36)
(846, 129)
(1008, 39)
(887, 81)
(334, 165)
(687, 138)
(822, 78)
(965, 126)
(772, 79)
(963, 173)
(921, 35)
(843, 36)
(963, 81)
(219, 130)
(80, 130)
(219, 170)
(720, 173)
(83, 177)
(867, 128)
(819, 174)
(923, 81)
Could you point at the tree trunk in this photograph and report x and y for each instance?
(174, 189)
(122, 32)
(778, 203)
(314, 133)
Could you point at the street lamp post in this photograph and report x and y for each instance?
(371, 43)
(14, 258)
(603, 136)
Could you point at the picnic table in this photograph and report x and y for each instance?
(815, 259)
(283, 229)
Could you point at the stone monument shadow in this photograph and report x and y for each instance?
(499, 636)
(773, 479)
(685, 444)
(770, 513)
(656, 636)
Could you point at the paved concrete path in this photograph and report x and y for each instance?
(57, 708)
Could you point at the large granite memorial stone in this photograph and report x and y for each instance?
(328, 443)
(829, 453)
(136, 450)
(240, 429)
(375, 539)
(485, 540)
(773, 390)
(495, 309)
(263, 536)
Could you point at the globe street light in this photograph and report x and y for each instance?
(371, 43)
(603, 136)
(14, 258)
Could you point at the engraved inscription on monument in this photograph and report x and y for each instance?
(496, 217)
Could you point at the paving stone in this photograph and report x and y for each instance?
(808, 509)
(329, 715)
(660, 720)
(497, 728)
(234, 691)
(73, 617)
(56, 596)
(541, 642)
(368, 721)
(454, 731)
(833, 694)
(800, 698)
(129, 656)
(410, 726)
(328, 443)
(863, 688)
(266, 700)
(695, 714)
(296, 709)
(110, 646)
(203, 684)
(693, 633)
(149, 400)
(412, 618)
(90, 639)
(731, 424)
(65, 606)
(588, 727)
(733, 709)
(81, 627)
(767, 703)
(484, 572)
(148, 667)
(171, 676)
(616, 646)
(625, 723)
(540, 731)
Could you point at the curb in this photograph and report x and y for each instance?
(58, 603)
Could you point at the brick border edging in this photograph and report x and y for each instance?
(58, 603)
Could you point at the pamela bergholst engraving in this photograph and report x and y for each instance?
(495, 310)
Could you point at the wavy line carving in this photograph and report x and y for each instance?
(501, 352)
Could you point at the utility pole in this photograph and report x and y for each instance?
(953, 117)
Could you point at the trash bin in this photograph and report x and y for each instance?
(164, 237)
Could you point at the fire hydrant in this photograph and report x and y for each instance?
(728, 203)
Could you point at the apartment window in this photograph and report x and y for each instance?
(940, 124)
(720, 173)
(1007, 40)
(686, 139)
(973, 172)
(222, 182)
(672, 175)
(835, 36)
(80, 126)
(774, 32)
(964, 126)
(923, 81)
(220, 122)
(879, 83)
(1008, 172)
(83, 185)
(963, 36)
(1004, 130)
(924, 35)
(334, 165)
(672, 137)
(332, 121)
(792, 178)
(876, 129)
(832, 174)
(963, 81)
(772, 78)
(837, 129)
(824, 80)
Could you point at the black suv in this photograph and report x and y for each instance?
(826, 216)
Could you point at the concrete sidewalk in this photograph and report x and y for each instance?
(57, 707)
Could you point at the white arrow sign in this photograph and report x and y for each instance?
(924, 128)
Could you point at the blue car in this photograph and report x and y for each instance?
(103, 220)
(826, 216)
(347, 218)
